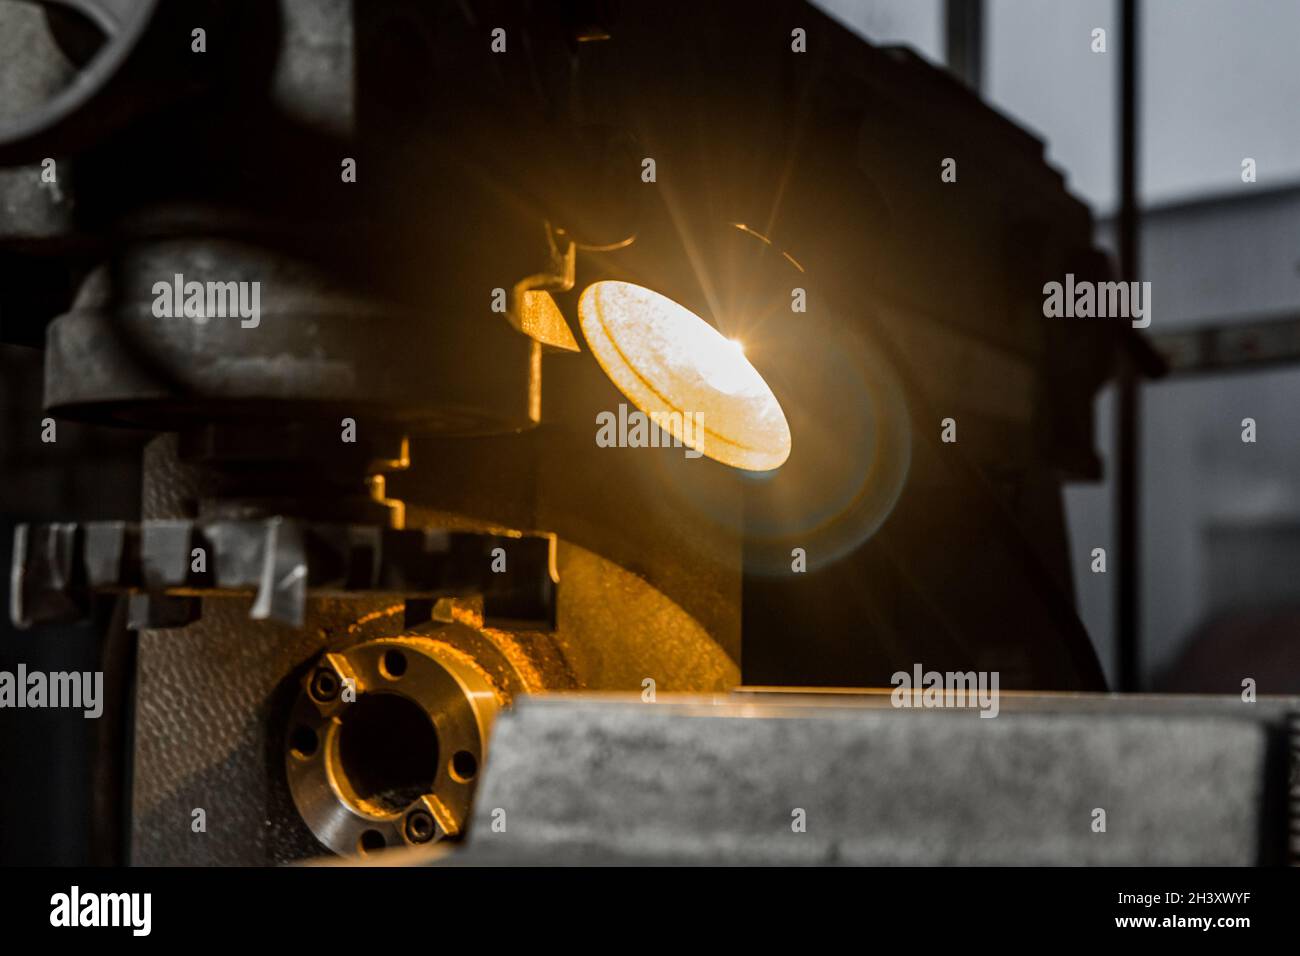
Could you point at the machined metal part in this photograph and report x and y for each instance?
(781, 778)
(385, 743)
(374, 305)
(620, 621)
(113, 358)
(215, 694)
(56, 567)
(122, 24)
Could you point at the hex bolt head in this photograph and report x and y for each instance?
(325, 685)
(420, 826)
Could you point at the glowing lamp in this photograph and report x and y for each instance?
(684, 375)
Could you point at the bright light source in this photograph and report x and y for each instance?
(676, 368)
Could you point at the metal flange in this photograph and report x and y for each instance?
(385, 743)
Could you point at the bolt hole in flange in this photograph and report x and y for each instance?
(304, 742)
(371, 841)
(463, 767)
(393, 664)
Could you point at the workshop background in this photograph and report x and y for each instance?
(1220, 520)
(1218, 528)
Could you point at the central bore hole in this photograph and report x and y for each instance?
(388, 749)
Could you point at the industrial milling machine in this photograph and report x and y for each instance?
(395, 287)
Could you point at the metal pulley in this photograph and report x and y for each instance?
(80, 111)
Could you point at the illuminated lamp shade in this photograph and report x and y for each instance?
(684, 375)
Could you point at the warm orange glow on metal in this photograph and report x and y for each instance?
(685, 375)
(540, 319)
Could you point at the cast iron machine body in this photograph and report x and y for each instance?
(389, 471)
